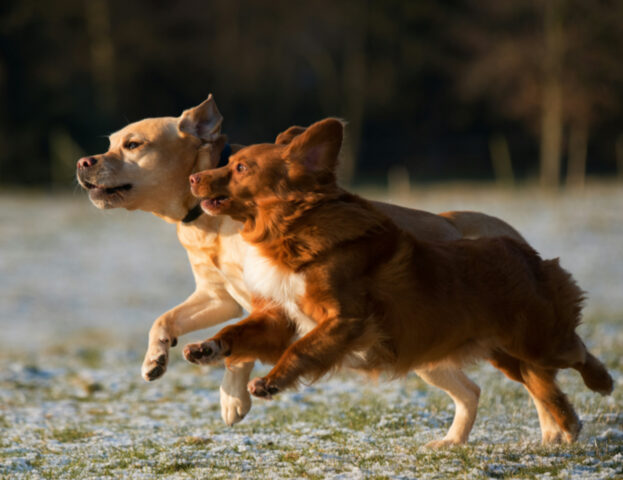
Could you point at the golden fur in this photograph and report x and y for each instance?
(337, 282)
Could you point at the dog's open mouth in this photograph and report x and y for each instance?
(96, 189)
(213, 206)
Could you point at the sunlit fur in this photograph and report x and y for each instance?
(173, 147)
(382, 299)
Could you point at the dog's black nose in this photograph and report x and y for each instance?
(86, 162)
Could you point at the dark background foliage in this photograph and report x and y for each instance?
(460, 89)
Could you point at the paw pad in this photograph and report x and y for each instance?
(205, 352)
(260, 388)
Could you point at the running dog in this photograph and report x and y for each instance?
(336, 282)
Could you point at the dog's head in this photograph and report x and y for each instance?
(263, 173)
(148, 162)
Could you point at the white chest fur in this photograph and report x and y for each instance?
(265, 280)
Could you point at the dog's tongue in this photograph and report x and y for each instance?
(213, 203)
(218, 200)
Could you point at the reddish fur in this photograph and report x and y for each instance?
(372, 287)
(264, 335)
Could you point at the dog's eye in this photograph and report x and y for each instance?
(241, 167)
(131, 145)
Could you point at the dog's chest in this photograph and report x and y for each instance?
(266, 280)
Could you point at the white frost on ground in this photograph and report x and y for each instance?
(80, 287)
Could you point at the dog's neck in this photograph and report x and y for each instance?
(195, 211)
(296, 230)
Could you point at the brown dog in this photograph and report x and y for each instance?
(336, 282)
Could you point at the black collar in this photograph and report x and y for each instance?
(194, 212)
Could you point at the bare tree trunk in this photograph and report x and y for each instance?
(501, 160)
(551, 120)
(353, 93)
(63, 154)
(97, 14)
(398, 181)
(324, 67)
(578, 145)
(619, 155)
(551, 137)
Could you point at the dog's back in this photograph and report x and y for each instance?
(500, 293)
(456, 300)
(467, 299)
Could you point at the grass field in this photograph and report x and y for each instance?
(79, 289)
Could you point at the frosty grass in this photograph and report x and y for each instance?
(80, 287)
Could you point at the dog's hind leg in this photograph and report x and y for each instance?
(465, 395)
(541, 382)
(235, 399)
(551, 433)
(510, 366)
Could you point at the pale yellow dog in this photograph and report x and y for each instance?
(147, 168)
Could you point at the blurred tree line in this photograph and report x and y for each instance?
(469, 89)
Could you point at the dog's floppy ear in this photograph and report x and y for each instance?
(203, 121)
(286, 137)
(315, 151)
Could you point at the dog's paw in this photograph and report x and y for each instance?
(156, 359)
(573, 433)
(552, 436)
(154, 368)
(259, 387)
(206, 352)
(443, 443)
(234, 408)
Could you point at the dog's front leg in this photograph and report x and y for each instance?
(262, 335)
(312, 356)
(202, 309)
(257, 336)
(465, 395)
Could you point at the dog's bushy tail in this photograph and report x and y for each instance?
(595, 375)
(566, 296)
(568, 300)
